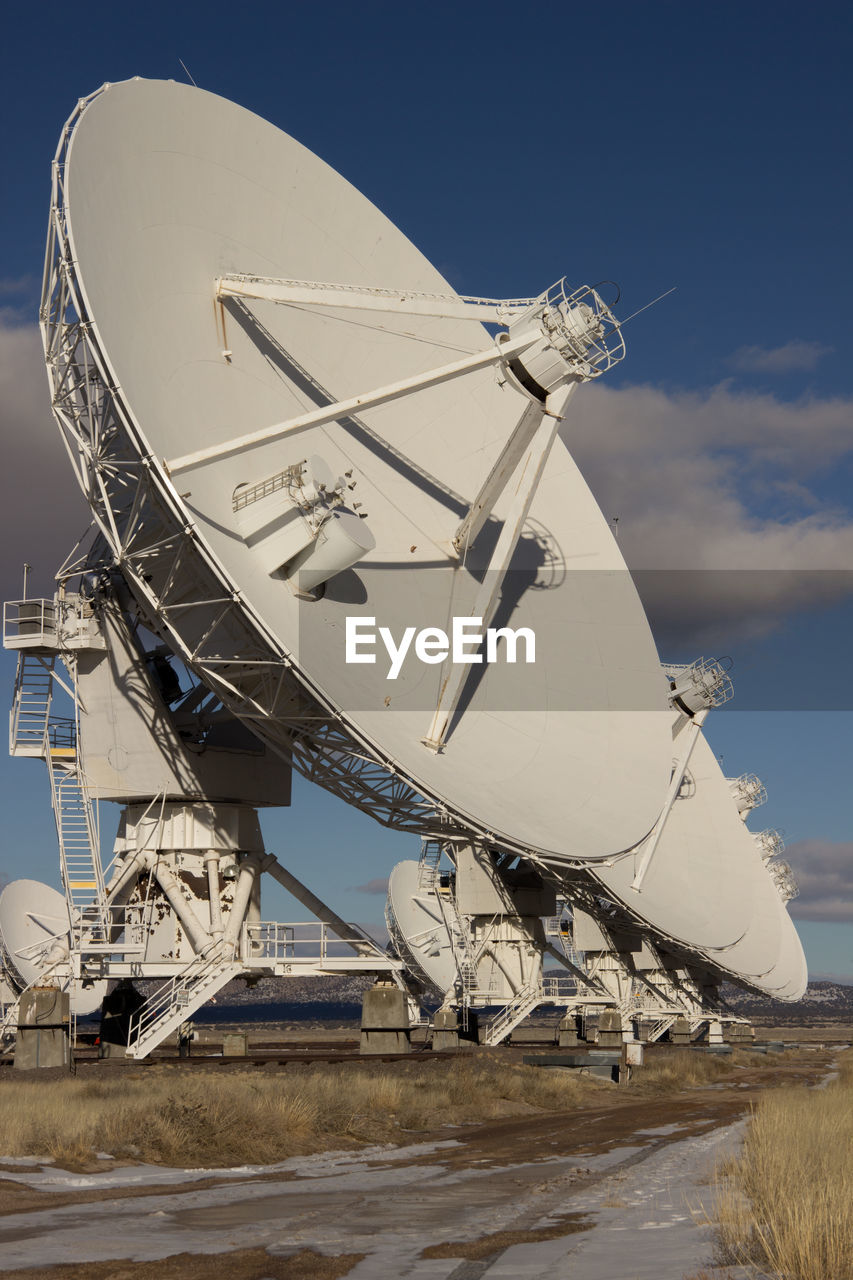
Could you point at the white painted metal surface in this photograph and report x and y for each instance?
(198, 188)
(418, 927)
(707, 884)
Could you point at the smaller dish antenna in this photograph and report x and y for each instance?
(36, 943)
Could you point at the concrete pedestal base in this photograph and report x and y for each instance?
(384, 1020)
(568, 1032)
(715, 1032)
(43, 1038)
(740, 1033)
(680, 1032)
(445, 1031)
(610, 1029)
(235, 1044)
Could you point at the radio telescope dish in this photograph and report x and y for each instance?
(167, 191)
(292, 431)
(707, 887)
(34, 937)
(419, 930)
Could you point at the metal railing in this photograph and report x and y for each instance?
(272, 941)
(173, 999)
(29, 621)
(289, 478)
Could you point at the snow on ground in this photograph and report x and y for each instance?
(649, 1214)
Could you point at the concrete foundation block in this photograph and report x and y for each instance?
(680, 1032)
(384, 1020)
(235, 1044)
(610, 1028)
(43, 1036)
(740, 1033)
(569, 1031)
(445, 1031)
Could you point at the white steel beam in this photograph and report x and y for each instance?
(400, 301)
(489, 592)
(368, 400)
(692, 737)
(500, 474)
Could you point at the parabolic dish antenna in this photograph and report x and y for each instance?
(707, 885)
(294, 434)
(34, 936)
(419, 929)
(167, 189)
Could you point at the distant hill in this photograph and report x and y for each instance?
(822, 1000)
(339, 998)
(288, 1000)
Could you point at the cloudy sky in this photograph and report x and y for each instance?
(696, 146)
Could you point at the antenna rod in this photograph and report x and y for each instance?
(187, 71)
(660, 296)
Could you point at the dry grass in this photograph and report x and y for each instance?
(211, 1118)
(787, 1203)
(685, 1068)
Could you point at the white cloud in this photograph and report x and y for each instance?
(42, 513)
(373, 886)
(824, 871)
(795, 356)
(720, 480)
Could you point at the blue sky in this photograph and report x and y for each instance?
(659, 144)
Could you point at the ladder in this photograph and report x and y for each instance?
(512, 1014)
(177, 1000)
(431, 851)
(79, 855)
(466, 964)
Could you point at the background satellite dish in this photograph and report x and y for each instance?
(34, 936)
(419, 929)
(707, 886)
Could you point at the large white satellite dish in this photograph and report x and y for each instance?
(166, 190)
(259, 340)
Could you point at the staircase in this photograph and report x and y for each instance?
(511, 1015)
(177, 1000)
(28, 721)
(34, 732)
(79, 856)
(660, 1028)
